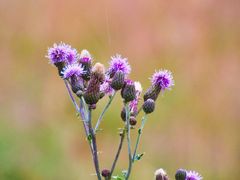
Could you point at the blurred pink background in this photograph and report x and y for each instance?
(196, 125)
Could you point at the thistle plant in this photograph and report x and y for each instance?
(87, 83)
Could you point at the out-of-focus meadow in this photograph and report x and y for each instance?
(196, 125)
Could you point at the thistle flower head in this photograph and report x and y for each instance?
(118, 63)
(93, 94)
(105, 173)
(62, 53)
(193, 175)
(118, 80)
(129, 82)
(85, 56)
(128, 92)
(148, 106)
(106, 88)
(163, 79)
(71, 70)
(160, 171)
(72, 55)
(160, 174)
(181, 174)
(134, 103)
(134, 106)
(98, 68)
(138, 87)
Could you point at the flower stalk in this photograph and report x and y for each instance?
(128, 140)
(103, 112)
(144, 119)
(94, 145)
(122, 135)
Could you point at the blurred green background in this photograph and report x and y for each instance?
(196, 125)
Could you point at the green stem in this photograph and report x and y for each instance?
(94, 145)
(128, 140)
(85, 108)
(138, 137)
(103, 112)
(71, 96)
(118, 152)
(82, 111)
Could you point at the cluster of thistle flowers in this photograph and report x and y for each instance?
(91, 82)
(181, 174)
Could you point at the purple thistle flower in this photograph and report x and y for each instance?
(72, 55)
(118, 63)
(106, 88)
(62, 53)
(71, 70)
(163, 79)
(138, 88)
(85, 56)
(134, 103)
(193, 175)
(133, 106)
(129, 82)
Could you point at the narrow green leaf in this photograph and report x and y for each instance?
(124, 173)
(138, 157)
(117, 177)
(89, 137)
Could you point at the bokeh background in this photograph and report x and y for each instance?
(196, 125)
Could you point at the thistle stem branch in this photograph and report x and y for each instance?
(71, 96)
(139, 136)
(122, 135)
(80, 110)
(128, 140)
(94, 145)
(103, 112)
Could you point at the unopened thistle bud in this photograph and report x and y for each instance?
(105, 87)
(86, 61)
(92, 94)
(128, 91)
(118, 80)
(98, 71)
(123, 114)
(160, 174)
(106, 173)
(148, 106)
(133, 120)
(181, 174)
